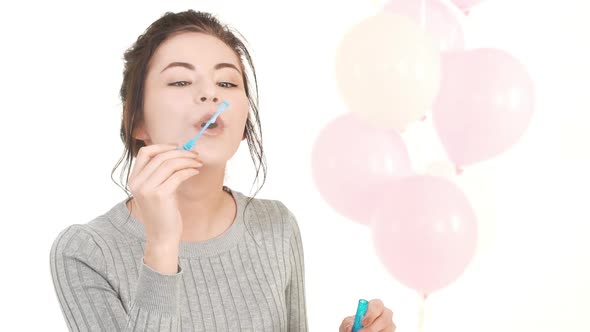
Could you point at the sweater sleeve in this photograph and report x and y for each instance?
(89, 300)
(295, 292)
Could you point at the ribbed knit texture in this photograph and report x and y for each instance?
(250, 278)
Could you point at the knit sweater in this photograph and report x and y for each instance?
(250, 278)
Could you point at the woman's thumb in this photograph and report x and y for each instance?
(347, 323)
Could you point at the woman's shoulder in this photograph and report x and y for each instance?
(74, 244)
(256, 204)
(86, 246)
(270, 212)
(93, 234)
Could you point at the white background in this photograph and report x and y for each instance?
(59, 128)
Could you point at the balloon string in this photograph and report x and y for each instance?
(421, 313)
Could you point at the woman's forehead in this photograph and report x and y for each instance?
(198, 49)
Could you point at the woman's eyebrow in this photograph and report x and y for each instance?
(226, 65)
(191, 67)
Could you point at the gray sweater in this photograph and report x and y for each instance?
(250, 278)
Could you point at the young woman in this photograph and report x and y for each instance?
(184, 252)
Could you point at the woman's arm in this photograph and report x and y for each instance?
(295, 292)
(89, 302)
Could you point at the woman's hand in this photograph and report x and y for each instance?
(159, 170)
(377, 319)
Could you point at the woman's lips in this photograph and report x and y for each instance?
(214, 129)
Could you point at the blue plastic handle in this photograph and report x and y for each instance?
(361, 311)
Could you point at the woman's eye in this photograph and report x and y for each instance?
(221, 84)
(227, 85)
(176, 83)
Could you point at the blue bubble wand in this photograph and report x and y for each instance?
(189, 145)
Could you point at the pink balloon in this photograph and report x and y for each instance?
(484, 106)
(424, 231)
(349, 159)
(438, 20)
(465, 5)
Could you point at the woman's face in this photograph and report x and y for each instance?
(178, 97)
